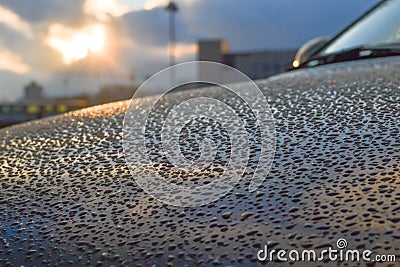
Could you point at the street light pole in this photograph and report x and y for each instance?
(172, 8)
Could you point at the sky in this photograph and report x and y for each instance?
(77, 46)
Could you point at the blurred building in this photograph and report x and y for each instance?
(35, 105)
(33, 91)
(255, 64)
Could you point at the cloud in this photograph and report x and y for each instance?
(12, 62)
(151, 27)
(151, 4)
(12, 85)
(146, 27)
(103, 10)
(39, 11)
(13, 21)
(75, 44)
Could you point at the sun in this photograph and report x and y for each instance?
(95, 39)
(76, 44)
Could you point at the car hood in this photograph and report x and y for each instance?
(67, 195)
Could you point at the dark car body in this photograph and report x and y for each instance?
(67, 197)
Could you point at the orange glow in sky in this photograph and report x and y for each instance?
(76, 44)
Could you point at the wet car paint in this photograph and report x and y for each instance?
(67, 197)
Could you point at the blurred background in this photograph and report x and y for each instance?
(59, 55)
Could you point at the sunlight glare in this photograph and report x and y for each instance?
(151, 4)
(76, 44)
(103, 9)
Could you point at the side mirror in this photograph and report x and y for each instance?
(308, 49)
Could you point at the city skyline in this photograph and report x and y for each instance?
(74, 46)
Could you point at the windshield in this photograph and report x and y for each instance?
(379, 27)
